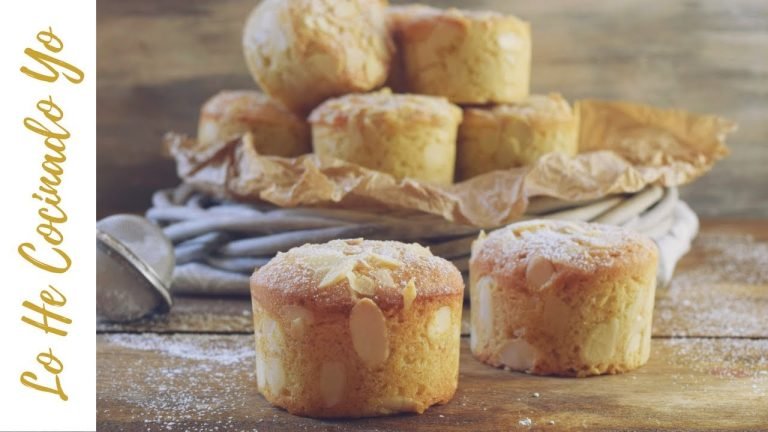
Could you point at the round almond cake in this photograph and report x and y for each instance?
(302, 52)
(275, 130)
(512, 135)
(470, 57)
(355, 328)
(562, 298)
(405, 135)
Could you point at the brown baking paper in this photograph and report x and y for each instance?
(623, 147)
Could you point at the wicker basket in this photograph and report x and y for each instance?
(218, 244)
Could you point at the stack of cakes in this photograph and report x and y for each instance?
(359, 327)
(436, 95)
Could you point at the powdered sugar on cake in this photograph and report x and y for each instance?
(575, 244)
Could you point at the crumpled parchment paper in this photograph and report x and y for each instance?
(623, 147)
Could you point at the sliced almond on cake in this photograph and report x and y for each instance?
(369, 333)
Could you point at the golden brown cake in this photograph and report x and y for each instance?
(402, 134)
(302, 52)
(470, 57)
(355, 328)
(511, 135)
(275, 130)
(562, 298)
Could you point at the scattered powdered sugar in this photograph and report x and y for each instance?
(724, 357)
(729, 258)
(204, 386)
(184, 347)
(322, 270)
(727, 358)
(720, 294)
(579, 245)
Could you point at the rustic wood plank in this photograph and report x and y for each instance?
(755, 228)
(720, 290)
(158, 61)
(207, 382)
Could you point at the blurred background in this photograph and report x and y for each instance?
(158, 61)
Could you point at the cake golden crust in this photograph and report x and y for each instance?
(355, 328)
(562, 298)
(317, 275)
(402, 134)
(386, 109)
(470, 57)
(275, 130)
(511, 135)
(305, 51)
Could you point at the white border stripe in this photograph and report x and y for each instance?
(23, 152)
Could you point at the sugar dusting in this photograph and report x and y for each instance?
(730, 258)
(728, 359)
(709, 298)
(195, 386)
(575, 244)
(302, 270)
(183, 347)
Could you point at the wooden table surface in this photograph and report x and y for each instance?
(194, 368)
